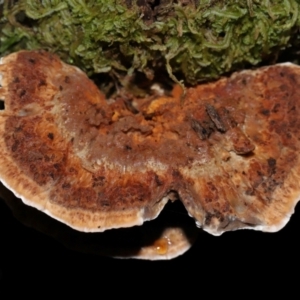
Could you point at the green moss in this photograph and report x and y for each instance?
(195, 40)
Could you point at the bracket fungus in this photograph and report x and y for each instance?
(229, 153)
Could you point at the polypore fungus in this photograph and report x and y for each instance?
(229, 152)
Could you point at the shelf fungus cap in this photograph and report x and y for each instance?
(230, 152)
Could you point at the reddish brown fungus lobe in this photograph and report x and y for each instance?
(230, 152)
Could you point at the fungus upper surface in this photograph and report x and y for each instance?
(230, 152)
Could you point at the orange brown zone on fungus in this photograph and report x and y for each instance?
(49, 161)
(230, 151)
(35, 150)
(117, 194)
(271, 123)
(30, 67)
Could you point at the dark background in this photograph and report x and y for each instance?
(28, 256)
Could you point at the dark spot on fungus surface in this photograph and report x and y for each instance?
(67, 79)
(42, 83)
(50, 135)
(66, 186)
(265, 112)
(227, 154)
(158, 180)
(22, 93)
(271, 163)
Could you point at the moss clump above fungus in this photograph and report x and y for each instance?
(194, 40)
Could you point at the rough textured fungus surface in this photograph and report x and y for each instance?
(230, 152)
